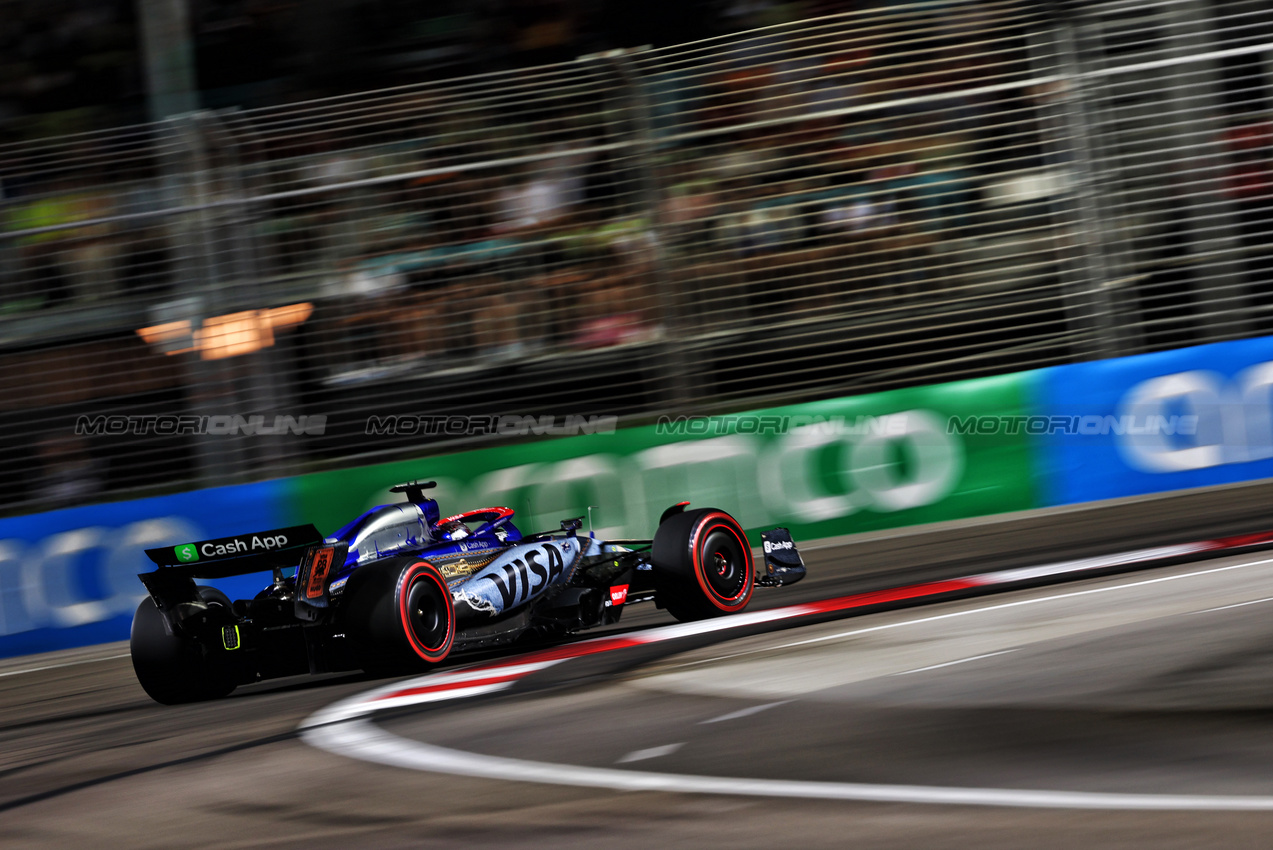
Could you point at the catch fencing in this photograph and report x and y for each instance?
(904, 195)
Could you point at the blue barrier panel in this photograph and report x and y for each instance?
(1168, 421)
(69, 577)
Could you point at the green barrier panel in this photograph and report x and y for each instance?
(822, 469)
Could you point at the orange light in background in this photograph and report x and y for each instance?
(168, 334)
(229, 335)
(283, 318)
(165, 333)
(233, 334)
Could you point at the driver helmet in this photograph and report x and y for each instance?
(452, 530)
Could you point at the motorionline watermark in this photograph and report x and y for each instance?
(896, 424)
(893, 424)
(1087, 425)
(504, 425)
(252, 425)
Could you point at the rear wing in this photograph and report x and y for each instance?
(175, 594)
(232, 556)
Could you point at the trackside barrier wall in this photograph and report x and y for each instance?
(1149, 423)
(69, 578)
(1155, 422)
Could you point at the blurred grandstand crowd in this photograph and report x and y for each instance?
(755, 183)
(893, 183)
(72, 65)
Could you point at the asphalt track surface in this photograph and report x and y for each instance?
(1156, 684)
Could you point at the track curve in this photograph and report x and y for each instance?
(1126, 711)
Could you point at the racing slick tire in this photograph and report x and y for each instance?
(398, 616)
(174, 668)
(703, 565)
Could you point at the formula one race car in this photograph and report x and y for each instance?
(401, 588)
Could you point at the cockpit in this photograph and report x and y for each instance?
(390, 529)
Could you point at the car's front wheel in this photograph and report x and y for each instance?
(703, 565)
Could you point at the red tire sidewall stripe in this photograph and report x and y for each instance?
(418, 570)
(705, 526)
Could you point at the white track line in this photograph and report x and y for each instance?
(363, 740)
(1158, 553)
(1235, 605)
(744, 712)
(65, 664)
(953, 663)
(651, 753)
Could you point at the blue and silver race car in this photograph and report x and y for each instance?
(402, 588)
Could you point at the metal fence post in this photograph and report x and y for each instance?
(673, 367)
(1088, 299)
(169, 53)
(1193, 90)
(260, 385)
(188, 183)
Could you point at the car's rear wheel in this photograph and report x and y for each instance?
(703, 565)
(174, 668)
(426, 614)
(398, 616)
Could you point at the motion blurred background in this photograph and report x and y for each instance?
(356, 207)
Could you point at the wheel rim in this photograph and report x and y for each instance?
(724, 565)
(426, 617)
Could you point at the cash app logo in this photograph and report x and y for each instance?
(187, 553)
